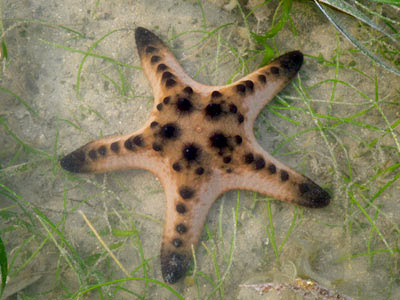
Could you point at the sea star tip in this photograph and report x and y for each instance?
(173, 265)
(292, 61)
(74, 162)
(312, 195)
(144, 38)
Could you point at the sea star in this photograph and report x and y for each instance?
(199, 142)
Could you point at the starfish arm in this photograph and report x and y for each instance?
(264, 174)
(113, 153)
(257, 89)
(187, 206)
(165, 74)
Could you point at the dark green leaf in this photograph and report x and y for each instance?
(3, 266)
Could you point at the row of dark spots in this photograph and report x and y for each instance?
(263, 79)
(273, 70)
(133, 142)
(167, 77)
(169, 80)
(129, 144)
(181, 229)
(259, 163)
(244, 87)
(247, 86)
(102, 151)
(186, 193)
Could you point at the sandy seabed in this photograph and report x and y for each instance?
(79, 98)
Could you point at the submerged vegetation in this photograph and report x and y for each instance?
(338, 121)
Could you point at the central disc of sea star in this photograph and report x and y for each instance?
(199, 142)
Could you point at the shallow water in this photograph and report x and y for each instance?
(328, 245)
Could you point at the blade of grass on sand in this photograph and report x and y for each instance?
(353, 11)
(103, 243)
(107, 58)
(3, 266)
(285, 7)
(94, 45)
(28, 107)
(392, 2)
(332, 18)
(108, 283)
(235, 212)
